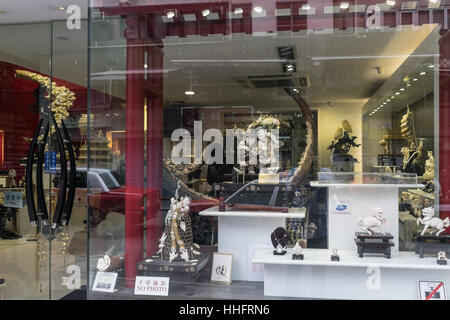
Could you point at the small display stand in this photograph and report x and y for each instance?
(297, 256)
(177, 271)
(430, 244)
(379, 243)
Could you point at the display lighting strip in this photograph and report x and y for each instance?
(400, 90)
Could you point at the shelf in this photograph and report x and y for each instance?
(214, 211)
(321, 257)
(365, 185)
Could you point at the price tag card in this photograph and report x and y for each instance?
(105, 281)
(152, 286)
(432, 290)
(13, 199)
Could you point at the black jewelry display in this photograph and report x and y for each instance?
(279, 238)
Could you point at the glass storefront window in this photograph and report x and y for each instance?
(256, 149)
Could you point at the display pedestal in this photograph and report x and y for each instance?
(360, 199)
(177, 271)
(372, 278)
(239, 230)
(430, 244)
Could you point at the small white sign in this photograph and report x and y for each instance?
(152, 286)
(221, 268)
(105, 281)
(13, 199)
(432, 290)
(341, 206)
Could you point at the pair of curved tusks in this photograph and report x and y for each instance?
(64, 206)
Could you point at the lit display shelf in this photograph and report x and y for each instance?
(240, 231)
(371, 277)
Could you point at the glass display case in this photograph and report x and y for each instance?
(225, 150)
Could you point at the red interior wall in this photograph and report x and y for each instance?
(16, 120)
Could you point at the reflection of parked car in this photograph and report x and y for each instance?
(105, 192)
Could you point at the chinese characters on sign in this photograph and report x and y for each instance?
(152, 286)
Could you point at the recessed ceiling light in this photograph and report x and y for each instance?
(206, 12)
(408, 84)
(289, 67)
(306, 7)
(397, 93)
(61, 8)
(145, 66)
(422, 73)
(431, 66)
(384, 103)
(402, 89)
(344, 5)
(388, 100)
(170, 14)
(392, 97)
(238, 11)
(415, 79)
(189, 93)
(390, 3)
(258, 9)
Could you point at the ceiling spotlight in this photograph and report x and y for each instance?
(384, 103)
(206, 12)
(408, 84)
(296, 90)
(392, 97)
(170, 14)
(422, 73)
(289, 67)
(390, 3)
(431, 66)
(238, 11)
(415, 79)
(189, 93)
(397, 93)
(388, 100)
(145, 66)
(306, 7)
(402, 89)
(258, 9)
(344, 5)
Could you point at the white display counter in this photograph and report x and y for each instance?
(360, 199)
(371, 277)
(239, 231)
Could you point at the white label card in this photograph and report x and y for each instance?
(152, 286)
(105, 281)
(432, 290)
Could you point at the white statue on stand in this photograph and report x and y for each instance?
(430, 221)
(297, 250)
(376, 220)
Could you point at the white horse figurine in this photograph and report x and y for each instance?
(430, 221)
(376, 220)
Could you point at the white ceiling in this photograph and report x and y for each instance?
(341, 67)
(30, 11)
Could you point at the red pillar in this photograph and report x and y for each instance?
(134, 171)
(444, 128)
(154, 150)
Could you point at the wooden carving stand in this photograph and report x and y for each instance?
(379, 243)
(430, 244)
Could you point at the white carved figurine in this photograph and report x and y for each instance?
(297, 250)
(376, 220)
(430, 221)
